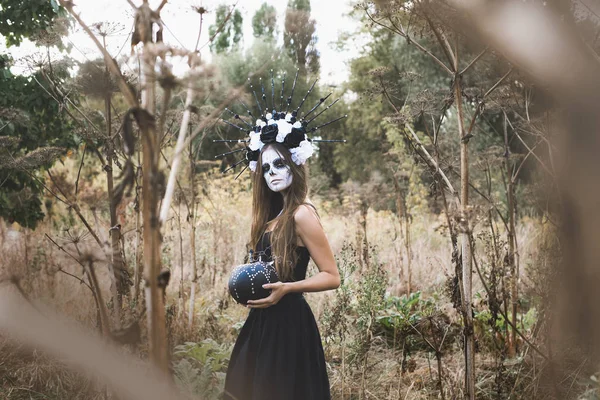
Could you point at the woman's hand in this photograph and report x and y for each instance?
(278, 290)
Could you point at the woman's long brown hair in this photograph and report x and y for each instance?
(266, 204)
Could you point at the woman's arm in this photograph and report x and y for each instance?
(311, 234)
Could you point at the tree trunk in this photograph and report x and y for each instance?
(115, 264)
(192, 221)
(403, 215)
(512, 349)
(364, 211)
(181, 304)
(155, 307)
(139, 267)
(467, 258)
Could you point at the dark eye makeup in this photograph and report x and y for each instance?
(278, 163)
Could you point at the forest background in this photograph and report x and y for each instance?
(451, 208)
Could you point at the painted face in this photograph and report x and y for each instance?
(275, 170)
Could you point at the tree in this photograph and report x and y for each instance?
(23, 19)
(227, 28)
(30, 115)
(299, 37)
(264, 22)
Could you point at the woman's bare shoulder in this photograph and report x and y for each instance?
(306, 215)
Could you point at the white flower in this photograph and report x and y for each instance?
(301, 153)
(260, 122)
(255, 143)
(272, 122)
(297, 124)
(269, 116)
(288, 117)
(283, 129)
(252, 165)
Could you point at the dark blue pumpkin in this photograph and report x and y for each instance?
(246, 281)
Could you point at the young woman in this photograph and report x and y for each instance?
(278, 354)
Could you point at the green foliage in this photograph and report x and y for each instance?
(227, 28)
(30, 114)
(23, 19)
(389, 64)
(370, 302)
(337, 317)
(299, 37)
(264, 22)
(400, 320)
(303, 5)
(201, 367)
(401, 313)
(491, 334)
(20, 199)
(27, 112)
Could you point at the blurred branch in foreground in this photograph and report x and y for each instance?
(81, 350)
(548, 46)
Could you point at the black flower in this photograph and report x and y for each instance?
(269, 133)
(294, 138)
(252, 155)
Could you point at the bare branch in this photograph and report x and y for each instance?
(412, 41)
(498, 83)
(474, 61)
(164, 211)
(530, 150)
(444, 44)
(487, 289)
(81, 350)
(126, 90)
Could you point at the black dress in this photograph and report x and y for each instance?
(278, 354)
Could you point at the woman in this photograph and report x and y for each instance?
(278, 354)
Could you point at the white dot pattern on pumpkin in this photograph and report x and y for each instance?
(252, 272)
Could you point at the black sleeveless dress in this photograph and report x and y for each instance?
(278, 354)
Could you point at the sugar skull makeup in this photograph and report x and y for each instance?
(276, 172)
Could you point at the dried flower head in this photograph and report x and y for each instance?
(37, 158)
(14, 115)
(8, 141)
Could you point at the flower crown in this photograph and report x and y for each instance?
(274, 126)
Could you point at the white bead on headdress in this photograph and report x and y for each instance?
(283, 127)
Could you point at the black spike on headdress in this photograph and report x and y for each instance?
(327, 123)
(321, 101)
(306, 96)
(234, 125)
(264, 96)
(237, 116)
(230, 152)
(323, 110)
(289, 99)
(256, 98)
(247, 109)
(272, 91)
(235, 165)
(242, 171)
(328, 140)
(230, 141)
(281, 97)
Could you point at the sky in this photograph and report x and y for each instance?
(182, 24)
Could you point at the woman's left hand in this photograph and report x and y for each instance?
(278, 290)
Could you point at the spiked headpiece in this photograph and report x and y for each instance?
(275, 125)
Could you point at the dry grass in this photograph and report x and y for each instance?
(222, 231)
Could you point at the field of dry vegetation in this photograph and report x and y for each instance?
(381, 341)
(462, 210)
